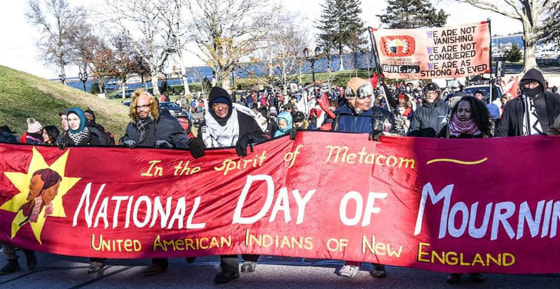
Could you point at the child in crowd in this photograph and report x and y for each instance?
(284, 123)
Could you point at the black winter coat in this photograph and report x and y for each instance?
(429, 119)
(95, 139)
(7, 137)
(165, 128)
(547, 105)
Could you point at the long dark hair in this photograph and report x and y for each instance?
(479, 113)
(53, 133)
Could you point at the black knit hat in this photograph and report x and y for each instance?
(431, 87)
(218, 95)
(5, 128)
(298, 116)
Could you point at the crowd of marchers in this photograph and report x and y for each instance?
(365, 106)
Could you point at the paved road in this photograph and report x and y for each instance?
(551, 73)
(518, 68)
(55, 272)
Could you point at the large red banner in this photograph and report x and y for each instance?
(485, 205)
(427, 53)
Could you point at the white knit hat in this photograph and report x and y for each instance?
(33, 126)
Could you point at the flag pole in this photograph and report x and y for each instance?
(391, 106)
(490, 62)
(374, 51)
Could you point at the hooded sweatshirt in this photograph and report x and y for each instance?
(544, 104)
(288, 118)
(530, 76)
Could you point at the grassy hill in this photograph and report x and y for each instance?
(23, 95)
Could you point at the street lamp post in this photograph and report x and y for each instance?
(312, 60)
(233, 80)
(83, 78)
(62, 78)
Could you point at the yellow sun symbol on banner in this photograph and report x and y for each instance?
(22, 180)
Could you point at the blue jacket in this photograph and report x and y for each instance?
(348, 121)
(288, 118)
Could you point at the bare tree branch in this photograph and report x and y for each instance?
(538, 17)
(59, 24)
(226, 31)
(280, 52)
(144, 23)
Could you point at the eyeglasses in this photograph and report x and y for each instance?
(364, 91)
(142, 106)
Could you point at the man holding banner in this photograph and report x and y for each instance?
(149, 128)
(358, 115)
(224, 126)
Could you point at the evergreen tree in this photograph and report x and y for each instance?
(412, 14)
(513, 54)
(341, 26)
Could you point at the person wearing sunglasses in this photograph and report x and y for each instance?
(358, 115)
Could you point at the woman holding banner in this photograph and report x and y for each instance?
(359, 116)
(80, 134)
(469, 119)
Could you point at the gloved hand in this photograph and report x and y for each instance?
(374, 135)
(163, 144)
(61, 144)
(293, 133)
(242, 143)
(197, 147)
(130, 143)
